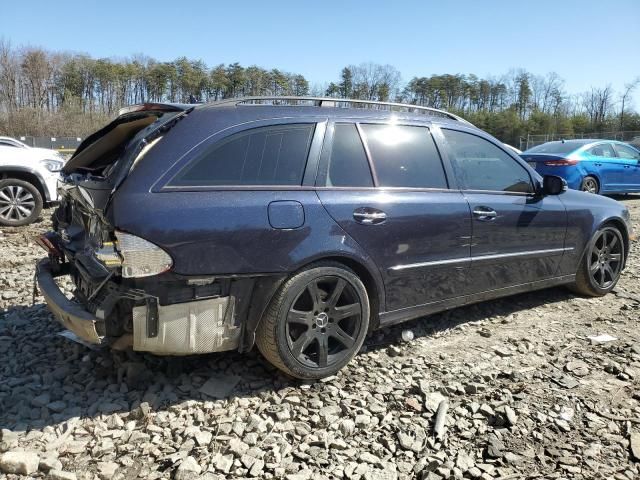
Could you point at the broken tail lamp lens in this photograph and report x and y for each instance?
(45, 242)
(141, 258)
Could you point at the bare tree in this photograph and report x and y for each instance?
(372, 81)
(597, 104)
(9, 69)
(552, 93)
(629, 87)
(36, 75)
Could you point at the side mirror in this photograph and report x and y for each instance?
(553, 185)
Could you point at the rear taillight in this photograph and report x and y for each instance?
(563, 162)
(141, 258)
(48, 242)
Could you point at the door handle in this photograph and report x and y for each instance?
(485, 213)
(369, 216)
(598, 164)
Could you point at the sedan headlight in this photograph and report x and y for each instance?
(52, 165)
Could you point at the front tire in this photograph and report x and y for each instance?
(316, 323)
(590, 184)
(601, 264)
(20, 202)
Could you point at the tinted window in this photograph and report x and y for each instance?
(480, 165)
(404, 156)
(274, 155)
(626, 152)
(602, 150)
(348, 165)
(4, 143)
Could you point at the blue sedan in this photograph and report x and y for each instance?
(596, 166)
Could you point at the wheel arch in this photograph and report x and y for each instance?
(591, 173)
(267, 287)
(375, 289)
(27, 176)
(620, 225)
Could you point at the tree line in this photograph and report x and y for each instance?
(509, 107)
(45, 92)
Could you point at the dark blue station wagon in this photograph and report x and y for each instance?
(300, 225)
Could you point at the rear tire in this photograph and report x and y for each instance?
(590, 184)
(601, 263)
(316, 323)
(20, 202)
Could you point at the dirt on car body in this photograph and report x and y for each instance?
(540, 385)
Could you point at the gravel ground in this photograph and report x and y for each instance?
(512, 388)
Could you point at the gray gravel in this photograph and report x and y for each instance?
(512, 388)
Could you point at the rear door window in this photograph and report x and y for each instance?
(480, 165)
(602, 150)
(274, 155)
(404, 156)
(626, 152)
(348, 165)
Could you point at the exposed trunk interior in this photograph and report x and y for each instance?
(107, 149)
(102, 149)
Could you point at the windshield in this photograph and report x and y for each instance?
(555, 147)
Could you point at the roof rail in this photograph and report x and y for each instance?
(336, 102)
(163, 107)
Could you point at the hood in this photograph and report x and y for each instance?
(46, 153)
(27, 156)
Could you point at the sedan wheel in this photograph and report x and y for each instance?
(316, 323)
(20, 202)
(590, 184)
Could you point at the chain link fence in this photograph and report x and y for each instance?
(66, 145)
(631, 136)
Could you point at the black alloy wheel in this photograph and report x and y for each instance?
(317, 321)
(323, 322)
(601, 264)
(605, 258)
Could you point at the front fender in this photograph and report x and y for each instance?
(46, 185)
(586, 214)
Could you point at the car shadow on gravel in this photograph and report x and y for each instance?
(45, 379)
(624, 196)
(447, 320)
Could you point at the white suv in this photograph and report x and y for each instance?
(28, 178)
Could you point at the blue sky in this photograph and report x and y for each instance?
(588, 43)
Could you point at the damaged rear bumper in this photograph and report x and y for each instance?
(185, 328)
(72, 315)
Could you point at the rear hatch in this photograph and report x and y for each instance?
(82, 223)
